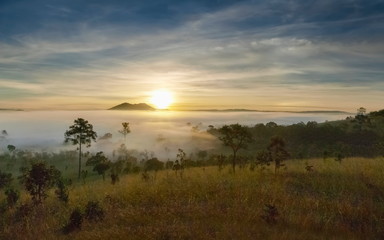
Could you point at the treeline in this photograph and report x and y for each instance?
(358, 136)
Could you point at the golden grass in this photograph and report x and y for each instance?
(335, 201)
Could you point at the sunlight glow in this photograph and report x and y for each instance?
(162, 99)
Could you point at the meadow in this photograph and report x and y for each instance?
(332, 200)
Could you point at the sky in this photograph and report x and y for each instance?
(210, 54)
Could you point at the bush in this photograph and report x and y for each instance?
(5, 179)
(39, 179)
(12, 196)
(23, 211)
(93, 211)
(153, 164)
(3, 208)
(136, 169)
(145, 176)
(114, 178)
(62, 191)
(75, 221)
(270, 214)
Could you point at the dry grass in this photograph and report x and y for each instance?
(335, 201)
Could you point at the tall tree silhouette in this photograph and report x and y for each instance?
(277, 152)
(125, 130)
(80, 133)
(236, 137)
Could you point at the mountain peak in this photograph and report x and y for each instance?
(129, 106)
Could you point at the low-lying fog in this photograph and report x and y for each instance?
(162, 132)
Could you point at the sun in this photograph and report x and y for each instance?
(162, 99)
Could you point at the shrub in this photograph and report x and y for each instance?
(62, 190)
(114, 178)
(270, 214)
(75, 221)
(5, 179)
(3, 208)
(39, 179)
(136, 169)
(153, 164)
(23, 211)
(12, 196)
(309, 168)
(339, 157)
(93, 211)
(145, 176)
(84, 174)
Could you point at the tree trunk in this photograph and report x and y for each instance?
(277, 165)
(79, 160)
(275, 168)
(234, 161)
(39, 194)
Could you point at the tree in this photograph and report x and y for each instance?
(62, 190)
(3, 134)
(5, 179)
(236, 137)
(221, 161)
(12, 196)
(361, 117)
(177, 167)
(169, 164)
(75, 221)
(179, 164)
(93, 211)
(39, 179)
(271, 125)
(361, 111)
(202, 154)
(81, 132)
(277, 152)
(263, 158)
(11, 148)
(100, 163)
(181, 157)
(125, 131)
(117, 167)
(153, 164)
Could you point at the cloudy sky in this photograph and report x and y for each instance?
(257, 54)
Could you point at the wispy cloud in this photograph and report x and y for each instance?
(246, 50)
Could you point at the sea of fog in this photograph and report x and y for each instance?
(162, 132)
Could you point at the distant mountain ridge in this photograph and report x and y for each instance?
(129, 106)
(10, 109)
(252, 110)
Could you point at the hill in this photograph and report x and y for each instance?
(129, 106)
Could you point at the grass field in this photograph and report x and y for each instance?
(335, 201)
